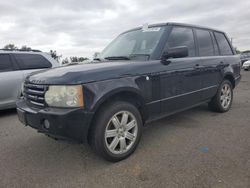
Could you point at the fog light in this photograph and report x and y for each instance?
(46, 124)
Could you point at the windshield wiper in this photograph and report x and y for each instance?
(117, 58)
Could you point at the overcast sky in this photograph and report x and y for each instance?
(82, 27)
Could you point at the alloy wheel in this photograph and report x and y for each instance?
(226, 96)
(121, 132)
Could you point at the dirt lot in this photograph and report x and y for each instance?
(196, 148)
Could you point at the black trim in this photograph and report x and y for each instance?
(174, 112)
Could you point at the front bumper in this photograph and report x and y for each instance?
(63, 123)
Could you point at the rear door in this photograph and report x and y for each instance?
(211, 62)
(10, 81)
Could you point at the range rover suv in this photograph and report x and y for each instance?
(145, 74)
(14, 67)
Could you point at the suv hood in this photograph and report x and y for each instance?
(88, 72)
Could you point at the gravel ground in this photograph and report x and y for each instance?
(196, 148)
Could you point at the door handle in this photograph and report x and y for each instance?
(197, 66)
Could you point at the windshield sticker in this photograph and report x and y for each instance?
(152, 29)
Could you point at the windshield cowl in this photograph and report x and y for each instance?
(117, 58)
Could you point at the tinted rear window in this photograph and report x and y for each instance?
(205, 43)
(5, 63)
(181, 36)
(224, 46)
(32, 61)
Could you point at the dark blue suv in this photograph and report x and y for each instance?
(145, 74)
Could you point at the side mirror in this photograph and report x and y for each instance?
(177, 52)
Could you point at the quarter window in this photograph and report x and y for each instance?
(216, 49)
(181, 36)
(224, 46)
(205, 44)
(32, 61)
(5, 63)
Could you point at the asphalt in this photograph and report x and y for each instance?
(196, 148)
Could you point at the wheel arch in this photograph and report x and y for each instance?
(127, 94)
(230, 77)
(130, 95)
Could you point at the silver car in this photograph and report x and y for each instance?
(246, 65)
(14, 67)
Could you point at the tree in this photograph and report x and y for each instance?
(73, 59)
(10, 47)
(25, 48)
(54, 55)
(78, 59)
(96, 55)
(65, 61)
(81, 59)
(237, 50)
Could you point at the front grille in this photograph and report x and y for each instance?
(34, 94)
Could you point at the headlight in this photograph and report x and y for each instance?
(65, 96)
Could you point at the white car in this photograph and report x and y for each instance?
(246, 65)
(14, 67)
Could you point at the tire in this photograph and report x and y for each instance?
(223, 99)
(117, 125)
(246, 69)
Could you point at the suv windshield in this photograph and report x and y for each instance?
(133, 44)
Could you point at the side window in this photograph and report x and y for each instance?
(181, 36)
(5, 63)
(205, 44)
(32, 61)
(224, 46)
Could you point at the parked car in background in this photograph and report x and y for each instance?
(246, 65)
(145, 74)
(14, 67)
(245, 56)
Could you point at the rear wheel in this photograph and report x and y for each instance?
(117, 131)
(223, 99)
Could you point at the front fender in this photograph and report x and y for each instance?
(103, 90)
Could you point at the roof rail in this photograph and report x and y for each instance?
(21, 50)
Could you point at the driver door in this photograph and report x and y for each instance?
(181, 79)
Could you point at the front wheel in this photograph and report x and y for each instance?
(117, 131)
(223, 99)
